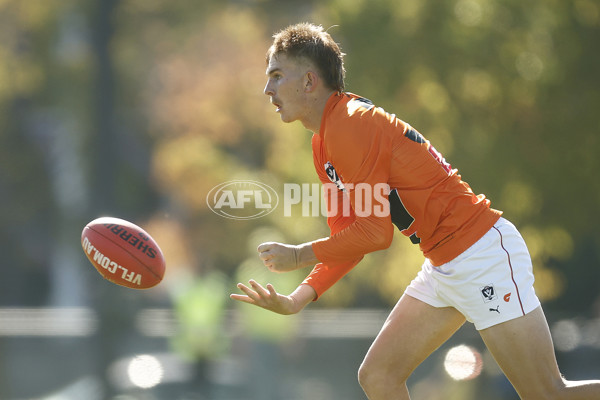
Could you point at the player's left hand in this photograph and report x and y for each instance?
(266, 298)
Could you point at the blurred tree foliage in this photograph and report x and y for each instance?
(507, 91)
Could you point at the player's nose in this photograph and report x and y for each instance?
(268, 90)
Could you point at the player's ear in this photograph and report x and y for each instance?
(311, 81)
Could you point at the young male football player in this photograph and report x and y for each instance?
(477, 266)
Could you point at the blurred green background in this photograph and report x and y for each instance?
(137, 108)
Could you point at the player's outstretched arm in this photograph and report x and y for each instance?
(269, 299)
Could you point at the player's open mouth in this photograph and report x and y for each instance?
(277, 106)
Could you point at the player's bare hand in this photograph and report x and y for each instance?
(279, 257)
(266, 298)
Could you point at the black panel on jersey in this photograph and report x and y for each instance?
(415, 136)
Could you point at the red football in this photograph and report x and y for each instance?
(123, 253)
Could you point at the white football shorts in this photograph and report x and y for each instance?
(489, 283)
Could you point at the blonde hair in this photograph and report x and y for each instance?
(306, 40)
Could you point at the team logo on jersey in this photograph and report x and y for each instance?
(488, 293)
(333, 176)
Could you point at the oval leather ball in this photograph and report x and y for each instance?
(123, 253)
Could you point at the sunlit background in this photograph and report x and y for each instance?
(137, 108)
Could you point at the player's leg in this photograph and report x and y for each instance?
(411, 333)
(523, 348)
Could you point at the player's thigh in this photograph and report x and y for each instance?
(523, 349)
(412, 331)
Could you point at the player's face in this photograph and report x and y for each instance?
(285, 86)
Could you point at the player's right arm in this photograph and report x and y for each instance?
(340, 216)
(279, 257)
(321, 278)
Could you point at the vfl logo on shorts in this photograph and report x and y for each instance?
(488, 293)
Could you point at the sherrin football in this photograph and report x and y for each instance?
(123, 253)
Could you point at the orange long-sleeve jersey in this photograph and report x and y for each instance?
(366, 151)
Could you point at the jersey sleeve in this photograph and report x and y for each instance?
(325, 275)
(361, 155)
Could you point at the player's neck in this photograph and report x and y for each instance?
(316, 107)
